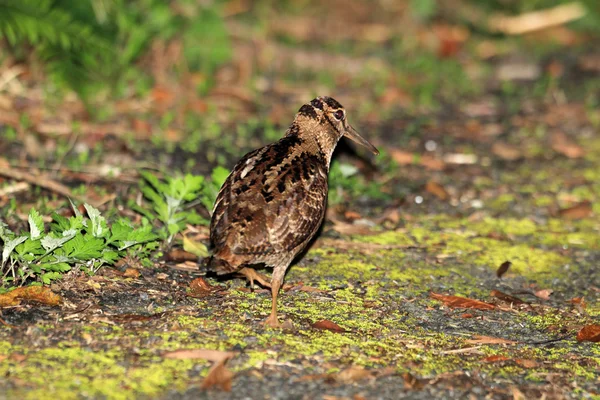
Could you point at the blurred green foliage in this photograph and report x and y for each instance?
(84, 44)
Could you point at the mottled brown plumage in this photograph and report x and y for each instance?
(274, 200)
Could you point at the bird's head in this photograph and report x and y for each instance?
(325, 120)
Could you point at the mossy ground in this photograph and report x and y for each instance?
(108, 338)
(113, 348)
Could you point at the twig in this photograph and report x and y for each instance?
(47, 183)
(537, 20)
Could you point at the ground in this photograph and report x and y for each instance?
(477, 169)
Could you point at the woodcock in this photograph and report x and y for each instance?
(274, 200)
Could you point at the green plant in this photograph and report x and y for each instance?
(172, 198)
(345, 181)
(169, 198)
(84, 44)
(84, 242)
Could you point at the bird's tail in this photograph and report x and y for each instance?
(219, 266)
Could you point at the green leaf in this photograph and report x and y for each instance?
(29, 247)
(155, 182)
(84, 248)
(50, 243)
(99, 227)
(59, 224)
(5, 233)
(9, 246)
(109, 256)
(48, 277)
(36, 224)
(119, 232)
(219, 175)
(197, 248)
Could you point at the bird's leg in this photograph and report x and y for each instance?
(276, 281)
(252, 275)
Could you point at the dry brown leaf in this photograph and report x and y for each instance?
(589, 333)
(544, 294)
(199, 288)
(479, 339)
(180, 255)
(310, 289)
(352, 215)
(495, 358)
(578, 211)
(579, 301)
(461, 302)
(353, 374)
(562, 144)
(204, 354)
(41, 294)
(218, 375)
(526, 363)
(407, 158)
(437, 190)
(328, 326)
(131, 273)
(507, 298)
(503, 268)
(506, 151)
(350, 229)
(411, 381)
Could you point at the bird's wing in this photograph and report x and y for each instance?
(272, 202)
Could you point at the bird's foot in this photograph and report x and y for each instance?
(273, 322)
(251, 275)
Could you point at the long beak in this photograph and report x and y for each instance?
(351, 134)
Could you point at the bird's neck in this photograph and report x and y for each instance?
(314, 139)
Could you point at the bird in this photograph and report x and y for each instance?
(274, 200)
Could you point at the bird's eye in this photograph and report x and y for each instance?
(339, 115)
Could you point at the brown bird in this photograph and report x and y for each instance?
(274, 200)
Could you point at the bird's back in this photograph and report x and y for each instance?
(270, 206)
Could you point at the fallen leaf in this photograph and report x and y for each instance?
(41, 294)
(310, 289)
(544, 294)
(346, 228)
(390, 214)
(203, 354)
(517, 394)
(503, 268)
(479, 339)
(526, 363)
(579, 301)
(352, 374)
(578, 211)
(506, 151)
(18, 357)
(589, 333)
(437, 190)
(507, 298)
(328, 326)
(562, 144)
(180, 255)
(495, 358)
(218, 375)
(467, 315)
(407, 158)
(197, 248)
(131, 273)
(460, 158)
(199, 288)
(411, 381)
(352, 215)
(461, 302)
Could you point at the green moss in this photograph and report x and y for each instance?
(395, 238)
